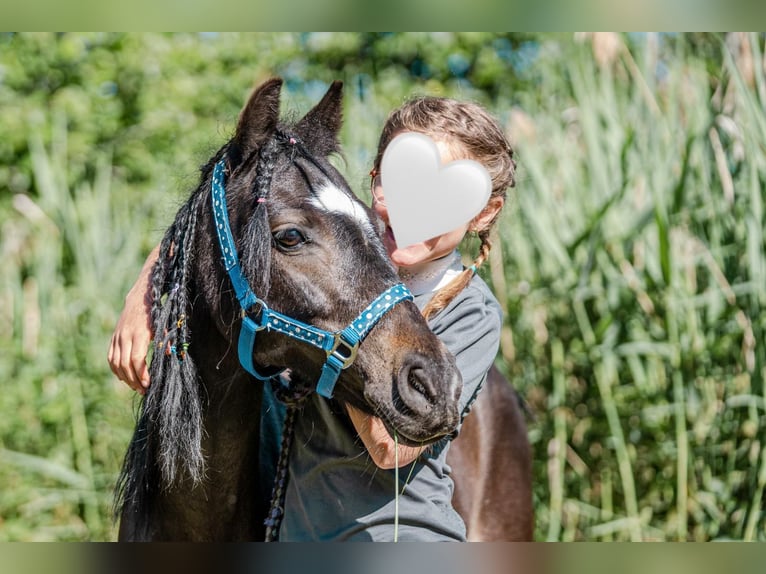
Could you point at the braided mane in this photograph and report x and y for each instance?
(169, 429)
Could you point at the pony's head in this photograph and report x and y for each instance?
(310, 250)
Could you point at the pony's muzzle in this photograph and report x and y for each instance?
(429, 393)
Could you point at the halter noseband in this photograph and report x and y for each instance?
(341, 346)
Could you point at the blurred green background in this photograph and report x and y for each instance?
(630, 260)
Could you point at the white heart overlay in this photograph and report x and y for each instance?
(425, 198)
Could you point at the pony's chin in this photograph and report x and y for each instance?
(410, 436)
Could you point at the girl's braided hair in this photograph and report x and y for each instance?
(471, 133)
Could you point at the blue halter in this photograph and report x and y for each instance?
(341, 346)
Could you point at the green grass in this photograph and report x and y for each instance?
(630, 262)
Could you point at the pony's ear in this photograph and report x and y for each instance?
(258, 119)
(320, 127)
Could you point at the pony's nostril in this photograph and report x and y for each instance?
(416, 387)
(426, 396)
(414, 378)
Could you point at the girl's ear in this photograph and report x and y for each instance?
(487, 216)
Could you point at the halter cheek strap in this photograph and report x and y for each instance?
(341, 346)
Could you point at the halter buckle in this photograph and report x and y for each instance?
(343, 351)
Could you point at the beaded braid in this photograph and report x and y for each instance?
(172, 411)
(173, 404)
(134, 485)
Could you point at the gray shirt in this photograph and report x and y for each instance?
(336, 492)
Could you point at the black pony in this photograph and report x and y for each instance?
(308, 249)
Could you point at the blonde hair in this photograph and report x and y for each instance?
(472, 133)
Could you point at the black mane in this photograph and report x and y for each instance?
(167, 445)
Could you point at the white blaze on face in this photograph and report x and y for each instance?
(330, 198)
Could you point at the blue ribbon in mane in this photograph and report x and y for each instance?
(341, 346)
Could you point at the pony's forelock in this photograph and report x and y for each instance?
(256, 246)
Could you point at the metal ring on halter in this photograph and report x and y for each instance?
(258, 316)
(339, 346)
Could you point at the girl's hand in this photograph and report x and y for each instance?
(379, 443)
(133, 334)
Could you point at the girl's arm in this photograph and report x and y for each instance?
(379, 443)
(133, 334)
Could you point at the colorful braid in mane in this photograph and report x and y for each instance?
(170, 416)
(172, 369)
(170, 419)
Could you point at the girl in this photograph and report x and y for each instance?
(343, 479)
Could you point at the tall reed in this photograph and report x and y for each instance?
(637, 246)
(67, 252)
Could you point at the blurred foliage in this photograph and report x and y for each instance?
(630, 260)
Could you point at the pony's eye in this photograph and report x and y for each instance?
(290, 238)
